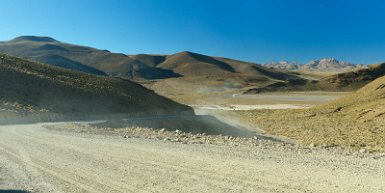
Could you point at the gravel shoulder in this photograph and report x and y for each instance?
(38, 159)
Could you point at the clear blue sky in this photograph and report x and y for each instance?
(251, 30)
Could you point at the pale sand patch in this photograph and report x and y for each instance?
(250, 107)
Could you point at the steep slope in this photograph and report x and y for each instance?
(30, 87)
(42, 49)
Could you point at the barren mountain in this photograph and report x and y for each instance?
(284, 65)
(205, 76)
(323, 65)
(30, 87)
(86, 59)
(136, 67)
(186, 72)
(330, 64)
(191, 64)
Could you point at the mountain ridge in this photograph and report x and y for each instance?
(322, 65)
(136, 67)
(115, 64)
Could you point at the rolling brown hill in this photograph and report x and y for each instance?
(193, 64)
(30, 87)
(206, 77)
(182, 71)
(149, 59)
(135, 67)
(86, 59)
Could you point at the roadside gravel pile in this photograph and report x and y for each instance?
(178, 136)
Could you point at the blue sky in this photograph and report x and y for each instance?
(250, 30)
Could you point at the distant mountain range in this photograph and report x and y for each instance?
(192, 72)
(135, 67)
(323, 65)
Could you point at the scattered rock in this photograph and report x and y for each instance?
(126, 136)
(176, 140)
(166, 139)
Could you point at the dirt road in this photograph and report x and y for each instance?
(39, 160)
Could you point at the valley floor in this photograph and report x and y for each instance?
(35, 159)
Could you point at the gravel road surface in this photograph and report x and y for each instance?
(35, 159)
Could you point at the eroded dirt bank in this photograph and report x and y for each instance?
(40, 160)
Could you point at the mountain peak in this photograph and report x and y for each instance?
(330, 60)
(34, 39)
(186, 53)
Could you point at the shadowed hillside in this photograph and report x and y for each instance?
(149, 59)
(30, 87)
(352, 80)
(346, 81)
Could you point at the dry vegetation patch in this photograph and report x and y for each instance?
(328, 129)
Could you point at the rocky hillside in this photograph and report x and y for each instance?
(30, 87)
